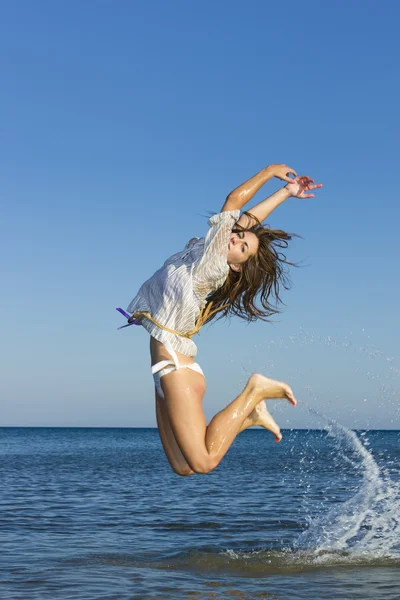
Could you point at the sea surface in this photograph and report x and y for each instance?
(98, 513)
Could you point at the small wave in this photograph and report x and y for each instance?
(263, 562)
(242, 563)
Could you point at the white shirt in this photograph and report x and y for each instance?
(175, 294)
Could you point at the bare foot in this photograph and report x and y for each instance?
(269, 388)
(261, 417)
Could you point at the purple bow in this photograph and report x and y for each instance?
(127, 316)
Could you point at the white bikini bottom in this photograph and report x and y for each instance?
(167, 366)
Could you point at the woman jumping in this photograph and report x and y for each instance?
(238, 262)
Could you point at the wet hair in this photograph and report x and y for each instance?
(254, 292)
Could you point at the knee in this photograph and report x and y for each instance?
(180, 469)
(205, 465)
(184, 471)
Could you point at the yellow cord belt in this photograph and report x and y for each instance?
(205, 314)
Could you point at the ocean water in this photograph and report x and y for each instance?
(97, 513)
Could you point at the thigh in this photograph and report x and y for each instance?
(184, 390)
(183, 397)
(175, 457)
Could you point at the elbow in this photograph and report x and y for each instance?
(234, 201)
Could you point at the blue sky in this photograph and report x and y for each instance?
(123, 124)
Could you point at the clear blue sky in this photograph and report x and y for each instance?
(123, 124)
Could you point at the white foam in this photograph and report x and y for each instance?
(368, 523)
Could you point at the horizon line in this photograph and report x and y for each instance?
(156, 428)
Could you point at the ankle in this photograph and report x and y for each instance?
(255, 386)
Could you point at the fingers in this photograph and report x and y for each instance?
(306, 183)
(288, 172)
(283, 173)
(312, 187)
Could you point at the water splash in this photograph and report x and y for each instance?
(366, 526)
(368, 523)
(363, 530)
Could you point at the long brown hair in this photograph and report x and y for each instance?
(260, 278)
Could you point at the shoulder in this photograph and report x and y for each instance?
(224, 217)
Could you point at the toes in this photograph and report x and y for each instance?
(274, 428)
(276, 431)
(290, 396)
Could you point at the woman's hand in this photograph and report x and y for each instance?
(281, 172)
(300, 185)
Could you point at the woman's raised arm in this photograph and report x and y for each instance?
(245, 192)
(297, 188)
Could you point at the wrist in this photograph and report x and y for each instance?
(286, 191)
(268, 172)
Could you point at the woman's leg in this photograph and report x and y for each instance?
(185, 435)
(202, 446)
(261, 417)
(175, 457)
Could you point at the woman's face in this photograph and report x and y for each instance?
(242, 245)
